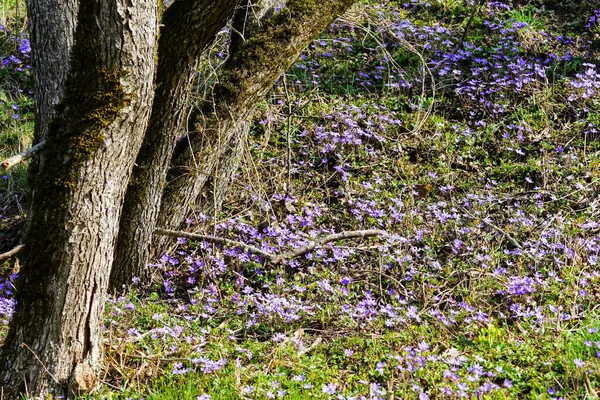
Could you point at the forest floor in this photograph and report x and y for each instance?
(474, 146)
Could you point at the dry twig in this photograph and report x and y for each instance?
(213, 239)
(10, 253)
(489, 223)
(330, 238)
(24, 156)
(274, 258)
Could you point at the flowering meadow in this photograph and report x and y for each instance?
(467, 132)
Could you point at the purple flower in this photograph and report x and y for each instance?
(179, 369)
(329, 388)
(24, 46)
(519, 286)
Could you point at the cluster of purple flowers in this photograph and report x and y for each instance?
(16, 64)
(7, 303)
(489, 219)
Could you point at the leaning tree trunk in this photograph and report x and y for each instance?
(249, 17)
(188, 28)
(54, 345)
(247, 77)
(217, 185)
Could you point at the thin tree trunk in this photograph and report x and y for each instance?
(54, 345)
(248, 76)
(188, 28)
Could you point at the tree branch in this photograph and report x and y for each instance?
(274, 258)
(10, 253)
(19, 158)
(214, 239)
(319, 242)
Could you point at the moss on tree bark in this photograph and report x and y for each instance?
(54, 344)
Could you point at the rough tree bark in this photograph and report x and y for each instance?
(142, 203)
(188, 27)
(54, 343)
(51, 31)
(246, 78)
(249, 17)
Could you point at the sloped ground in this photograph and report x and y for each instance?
(479, 159)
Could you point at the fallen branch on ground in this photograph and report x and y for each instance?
(319, 242)
(10, 253)
(24, 156)
(213, 239)
(274, 258)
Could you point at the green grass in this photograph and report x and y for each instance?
(16, 106)
(533, 363)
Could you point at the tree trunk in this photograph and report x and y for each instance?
(188, 28)
(51, 31)
(246, 78)
(54, 345)
(250, 16)
(217, 160)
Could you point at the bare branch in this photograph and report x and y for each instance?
(214, 239)
(506, 234)
(274, 258)
(461, 42)
(19, 158)
(330, 238)
(11, 253)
